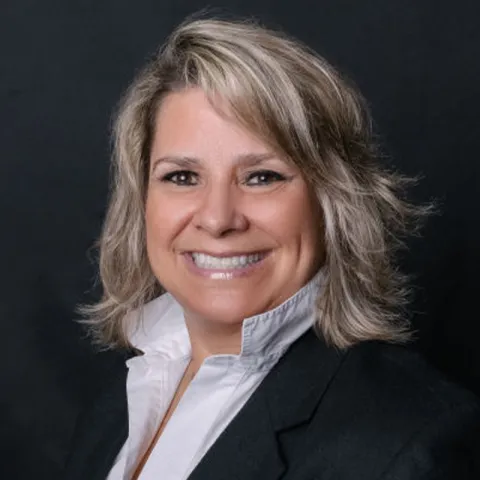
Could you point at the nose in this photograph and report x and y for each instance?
(219, 211)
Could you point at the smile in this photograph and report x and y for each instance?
(203, 260)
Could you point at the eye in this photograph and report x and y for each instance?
(183, 178)
(264, 177)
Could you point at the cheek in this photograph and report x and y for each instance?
(165, 219)
(293, 218)
(160, 223)
(154, 219)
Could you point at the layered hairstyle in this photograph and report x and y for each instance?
(306, 111)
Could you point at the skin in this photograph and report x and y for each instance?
(223, 201)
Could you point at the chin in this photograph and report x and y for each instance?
(222, 311)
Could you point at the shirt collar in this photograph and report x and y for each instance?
(162, 330)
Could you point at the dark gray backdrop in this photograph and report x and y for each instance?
(63, 66)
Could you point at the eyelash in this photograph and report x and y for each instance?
(278, 177)
(169, 177)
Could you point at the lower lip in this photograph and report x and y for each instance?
(223, 273)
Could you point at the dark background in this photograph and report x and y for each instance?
(64, 64)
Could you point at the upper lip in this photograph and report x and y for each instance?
(229, 254)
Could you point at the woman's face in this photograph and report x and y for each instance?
(232, 230)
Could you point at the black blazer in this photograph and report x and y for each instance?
(375, 411)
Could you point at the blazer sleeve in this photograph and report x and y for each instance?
(448, 448)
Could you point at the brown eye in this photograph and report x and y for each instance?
(264, 177)
(181, 178)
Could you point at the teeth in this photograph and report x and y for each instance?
(206, 261)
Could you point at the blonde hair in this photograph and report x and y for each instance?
(297, 102)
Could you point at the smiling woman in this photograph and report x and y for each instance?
(237, 202)
(248, 272)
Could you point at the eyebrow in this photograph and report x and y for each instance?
(244, 159)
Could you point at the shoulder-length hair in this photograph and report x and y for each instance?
(300, 105)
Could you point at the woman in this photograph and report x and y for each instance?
(247, 267)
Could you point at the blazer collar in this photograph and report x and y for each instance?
(249, 447)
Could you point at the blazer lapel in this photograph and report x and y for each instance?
(244, 450)
(249, 447)
(101, 430)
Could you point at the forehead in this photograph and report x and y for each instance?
(187, 123)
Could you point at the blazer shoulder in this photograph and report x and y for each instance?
(384, 403)
(394, 391)
(406, 379)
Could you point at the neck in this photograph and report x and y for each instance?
(209, 338)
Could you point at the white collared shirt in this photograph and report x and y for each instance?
(218, 391)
